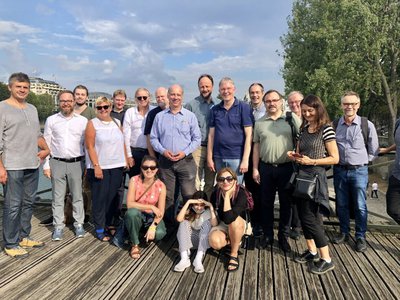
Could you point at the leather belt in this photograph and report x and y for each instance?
(69, 160)
(278, 165)
(351, 167)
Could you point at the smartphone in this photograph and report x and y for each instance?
(297, 155)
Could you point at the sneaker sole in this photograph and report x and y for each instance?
(17, 256)
(307, 261)
(323, 272)
(56, 239)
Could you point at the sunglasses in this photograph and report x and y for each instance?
(103, 107)
(229, 179)
(140, 98)
(145, 168)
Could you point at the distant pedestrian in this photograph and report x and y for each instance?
(374, 190)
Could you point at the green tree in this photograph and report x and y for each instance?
(334, 46)
(43, 103)
(4, 92)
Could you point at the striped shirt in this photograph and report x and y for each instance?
(313, 144)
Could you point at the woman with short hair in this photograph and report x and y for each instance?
(105, 162)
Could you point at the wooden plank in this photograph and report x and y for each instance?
(281, 276)
(218, 279)
(250, 275)
(266, 279)
(372, 277)
(204, 281)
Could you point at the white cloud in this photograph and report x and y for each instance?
(14, 28)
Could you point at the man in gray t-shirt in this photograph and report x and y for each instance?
(20, 138)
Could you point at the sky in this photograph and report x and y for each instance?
(108, 45)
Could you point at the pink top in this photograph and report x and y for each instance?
(151, 196)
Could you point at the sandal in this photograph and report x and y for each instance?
(135, 252)
(111, 230)
(233, 266)
(102, 236)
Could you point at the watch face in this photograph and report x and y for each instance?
(155, 223)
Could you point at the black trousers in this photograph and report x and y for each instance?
(275, 178)
(393, 199)
(311, 221)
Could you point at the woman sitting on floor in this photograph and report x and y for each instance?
(230, 202)
(196, 218)
(146, 204)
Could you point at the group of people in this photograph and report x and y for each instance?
(169, 150)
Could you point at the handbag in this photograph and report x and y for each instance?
(305, 186)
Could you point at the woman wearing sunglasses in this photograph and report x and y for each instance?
(231, 203)
(105, 161)
(146, 204)
(195, 219)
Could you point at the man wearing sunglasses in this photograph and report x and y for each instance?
(134, 122)
(175, 135)
(272, 168)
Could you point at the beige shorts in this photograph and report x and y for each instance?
(248, 230)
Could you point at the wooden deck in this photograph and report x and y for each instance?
(88, 269)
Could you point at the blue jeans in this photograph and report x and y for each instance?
(233, 163)
(351, 185)
(19, 197)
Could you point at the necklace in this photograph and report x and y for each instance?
(105, 122)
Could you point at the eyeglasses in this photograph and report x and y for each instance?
(229, 179)
(145, 168)
(105, 107)
(350, 104)
(272, 101)
(140, 98)
(66, 101)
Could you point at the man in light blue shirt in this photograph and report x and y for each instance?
(175, 135)
(351, 174)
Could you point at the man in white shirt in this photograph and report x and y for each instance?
(134, 122)
(64, 132)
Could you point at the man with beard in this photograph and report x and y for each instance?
(81, 94)
(163, 103)
(201, 107)
(64, 132)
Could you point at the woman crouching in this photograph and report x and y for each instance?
(231, 203)
(146, 204)
(196, 218)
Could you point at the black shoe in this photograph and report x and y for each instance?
(306, 257)
(266, 241)
(321, 267)
(257, 231)
(295, 234)
(361, 245)
(47, 222)
(284, 244)
(340, 238)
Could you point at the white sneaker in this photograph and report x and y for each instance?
(197, 264)
(182, 265)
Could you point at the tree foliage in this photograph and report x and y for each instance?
(334, 46)
(4, 92)
(44, 104)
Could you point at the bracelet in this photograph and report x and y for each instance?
(153, 228)
(315, 162)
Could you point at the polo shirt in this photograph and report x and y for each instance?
(275, 138)
(229, 126)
